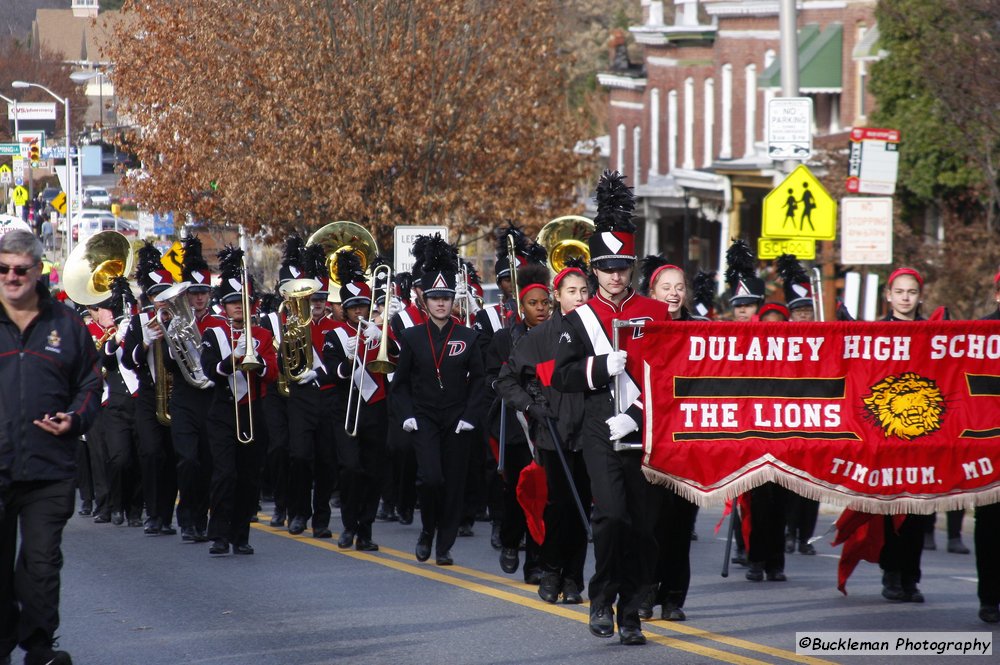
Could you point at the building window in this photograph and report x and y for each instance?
(862, 85)
(750, 130)
(671, 130)
(689, 123)
(654, 132)
(636, 164)
(708, 117)
(620, 149)
(769, 93)
(726, 150)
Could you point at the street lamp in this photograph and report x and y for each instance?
(85, 77)
(69, 171)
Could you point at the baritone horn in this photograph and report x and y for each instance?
(181, 333)
(565, 238)
(296, 336)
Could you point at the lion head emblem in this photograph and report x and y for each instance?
(907, 406)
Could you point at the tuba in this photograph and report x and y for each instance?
(94, 264)
(296, 348)
(181, 334)
(339, 236)
(565, 238)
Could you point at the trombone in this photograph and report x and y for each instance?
(250, 363)
(380, 365)
(512, 259)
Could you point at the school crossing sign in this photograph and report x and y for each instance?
(800, 207)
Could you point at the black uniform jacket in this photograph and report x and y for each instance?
(497, 354)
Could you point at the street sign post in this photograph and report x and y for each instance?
(874, 161)
(789, 128)
(772, 248)
(800, 207)
(403, 238)
(866, 231)
(10, 149)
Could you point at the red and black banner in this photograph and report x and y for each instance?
(884, 417)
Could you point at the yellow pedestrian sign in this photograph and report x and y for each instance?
(800, 207)
(772, 248)
(20, 196)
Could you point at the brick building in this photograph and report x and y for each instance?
(687, 124)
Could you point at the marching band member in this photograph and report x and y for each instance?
(438, 386)
(156, 453)
(311, 462)
(987, 530)
(586, 362)
(234, 414)
(536, 306)
(189, 406)
(667, 283)
(525, 382)
(360, 454)
(772, 311)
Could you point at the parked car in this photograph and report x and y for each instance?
(107, 223)
(96, 196)
(48, 195)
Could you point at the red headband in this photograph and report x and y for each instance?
(656, 273)
(996, 280)
(563, 273)
(520, 294)
(906, 271)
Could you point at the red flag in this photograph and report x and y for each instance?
(863, 537)
(533, 494)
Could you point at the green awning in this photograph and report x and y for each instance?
(869, 48)
(820, 61)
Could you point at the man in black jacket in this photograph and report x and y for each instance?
(50, 389)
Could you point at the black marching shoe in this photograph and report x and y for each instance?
(152, 526)
(892, 587)
(44, 655)
(756, 572)
(386, 513)
(602, 621)
(534, 577)
(444, 559)
(740, 558)
(134, 522)
(220, 546)
(776, 575)
(102, 518)
(789, 543)
(989, 613)
(495, 541)
(200, 535)
(365, 545)
(346, 540)
(465, 531)
(168, 530)
(911, 594)
(297, 525)
(86, 509)
(646, 606)
(406, 517)
(188, 534)
(671, 612)
(571, 593)
(323, 532)
(509, 560)
(117, 519)
(548, 588)
(955, 545)
(243, 548)
(631, 636)
(423, 549)
(278, 518)
(806, 548)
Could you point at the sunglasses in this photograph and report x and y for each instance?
(20, 271)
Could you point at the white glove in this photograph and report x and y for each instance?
(351, 347)
(464, 427)
(371, 330)
(120, 333)
(151, 333)
(241, 346)
(308, 377)
(461, 290)
(621, 425)
(395, 307)
(616, 362)
(410, 425)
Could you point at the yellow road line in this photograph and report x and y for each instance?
(564, 611)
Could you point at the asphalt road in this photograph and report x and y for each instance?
(132, 599)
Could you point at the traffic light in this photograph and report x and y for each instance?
(34, 152)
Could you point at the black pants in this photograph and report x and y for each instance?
(767, 526)
(157, 462)
(98, 452)
(954, 522)
(987, 539)
(189, 435)
(442, 462)
(514, 525)
(275, 409)
(474, 500)
(84, 478)
(29, 576)
(902, 551)
(124, 479)
(360, 459)
(311, 462)
(673, 534)
(235, 469)
(801, 514)
(623, 519)
(564, 551)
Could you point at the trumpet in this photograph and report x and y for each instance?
(465, 304)
(250, 363)
(181, 334)
(380, 365)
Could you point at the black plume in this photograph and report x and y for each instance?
(521, 240)
(418, 250)
(532, 273)
(790, 270)
(292, 255)
(439, 256)
(269, 302)
(349, 267)
(230, 262)
(576, 262)
(193, 259)
(703, 289)
(148, 261)
(615, 204)
(740, 263)
(404, 283)
(121, 294)
(842, 313)
(647, 266)
(314, 262)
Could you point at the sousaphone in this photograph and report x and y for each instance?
(565, 238)
(94, 264)
(339, 236)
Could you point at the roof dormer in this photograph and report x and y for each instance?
(86, 8)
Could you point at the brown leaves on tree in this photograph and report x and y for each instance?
(388, 112)
(18, 64)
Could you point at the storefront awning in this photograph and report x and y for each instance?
(820, 61)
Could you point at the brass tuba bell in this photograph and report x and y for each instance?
(565, 238)
(339, 236)
(94, 264)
